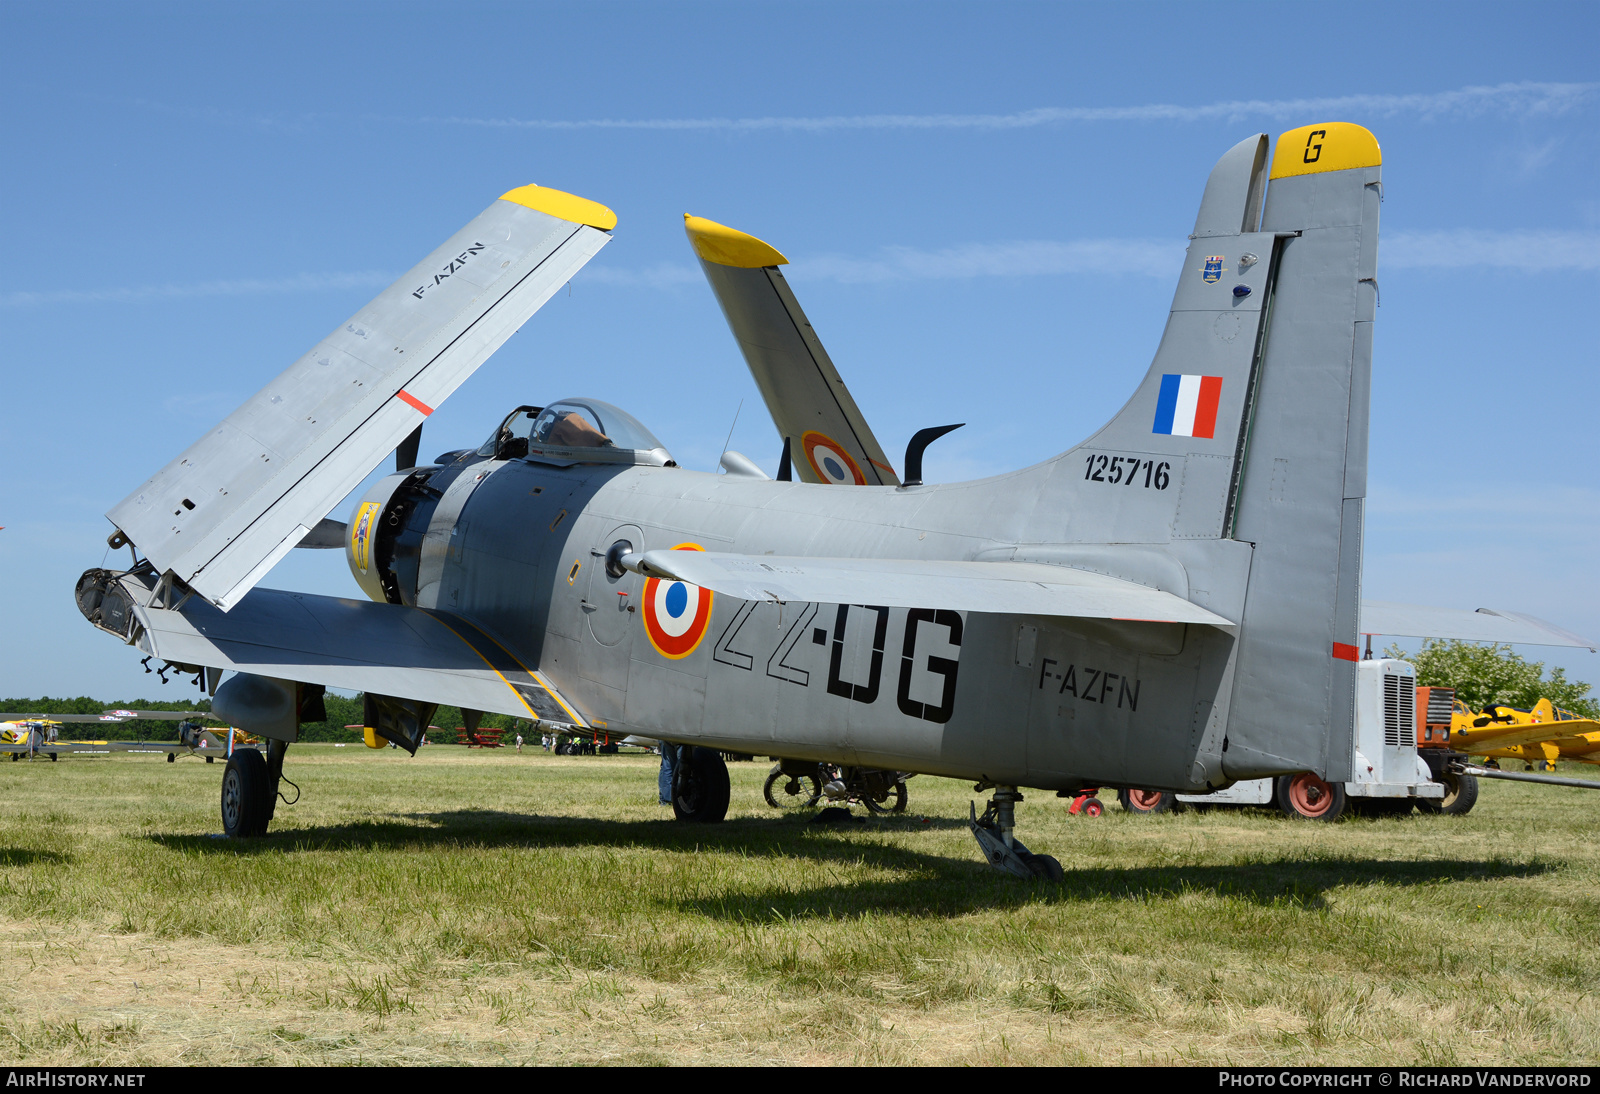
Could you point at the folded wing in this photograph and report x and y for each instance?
(1012, 588)
(229, 507)
(829, 439)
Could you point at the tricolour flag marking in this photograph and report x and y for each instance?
(1187, 405)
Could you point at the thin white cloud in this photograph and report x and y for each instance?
(662, 275)
(1456, 249)
(305, 282)
(1467, 248)
(1521, 99)
(1021, 258)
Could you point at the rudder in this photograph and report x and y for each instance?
(1303, 460)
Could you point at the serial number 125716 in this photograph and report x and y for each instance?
(1127, 470)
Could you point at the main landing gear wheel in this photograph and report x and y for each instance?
(1460, 795)
(1146, 801)
(247, 795)
(700, 788)
(893, 802)
(1308, 797)
(791, 791)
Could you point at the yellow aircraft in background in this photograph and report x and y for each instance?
(1540, 736)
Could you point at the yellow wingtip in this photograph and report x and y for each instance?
(728, 246)
(1331, 146)
(559, 203)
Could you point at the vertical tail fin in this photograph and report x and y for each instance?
(1302, 467)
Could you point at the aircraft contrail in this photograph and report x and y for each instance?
(304, 282)
(1525, 98)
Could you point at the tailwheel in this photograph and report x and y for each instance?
(1308, 797)
(791, 791)
(700, 788)
(995, 833)
(1146, 801)
(247, 795)
(1045, 866)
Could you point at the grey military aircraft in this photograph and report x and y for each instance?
(1172, 603)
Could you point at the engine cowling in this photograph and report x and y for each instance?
(383, 540)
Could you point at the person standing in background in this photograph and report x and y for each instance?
(669, 763)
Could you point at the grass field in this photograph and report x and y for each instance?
(484, 907)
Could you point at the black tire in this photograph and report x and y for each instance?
(1306, 797)
(246, 795)
(806, 790)
(1460, 795)
(700, 787)
(1380, 807)
(893, 802)
(1146, 802)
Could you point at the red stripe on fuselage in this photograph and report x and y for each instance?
(1346, 653)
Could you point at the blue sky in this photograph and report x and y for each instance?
(984, 206)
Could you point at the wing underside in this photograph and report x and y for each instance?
(220, 515)
(358, 645)
(1483, 625)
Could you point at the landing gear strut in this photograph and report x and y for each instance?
(994, 832)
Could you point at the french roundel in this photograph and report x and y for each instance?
(676, 613)
(830, 461)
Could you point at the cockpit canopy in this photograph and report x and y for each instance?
(573, 431)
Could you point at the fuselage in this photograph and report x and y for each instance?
(519, 547)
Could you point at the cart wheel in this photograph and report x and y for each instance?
(893, 802)
(1093, 808)
(791, 792)
(1146, 801)
(1308, 797)
(1460, 795)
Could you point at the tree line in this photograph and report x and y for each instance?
(341, 711)
(1480, 674)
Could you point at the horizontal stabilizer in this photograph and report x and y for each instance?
(231, 505)
(386, 649)
(1012, 588)
(1483, 625)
